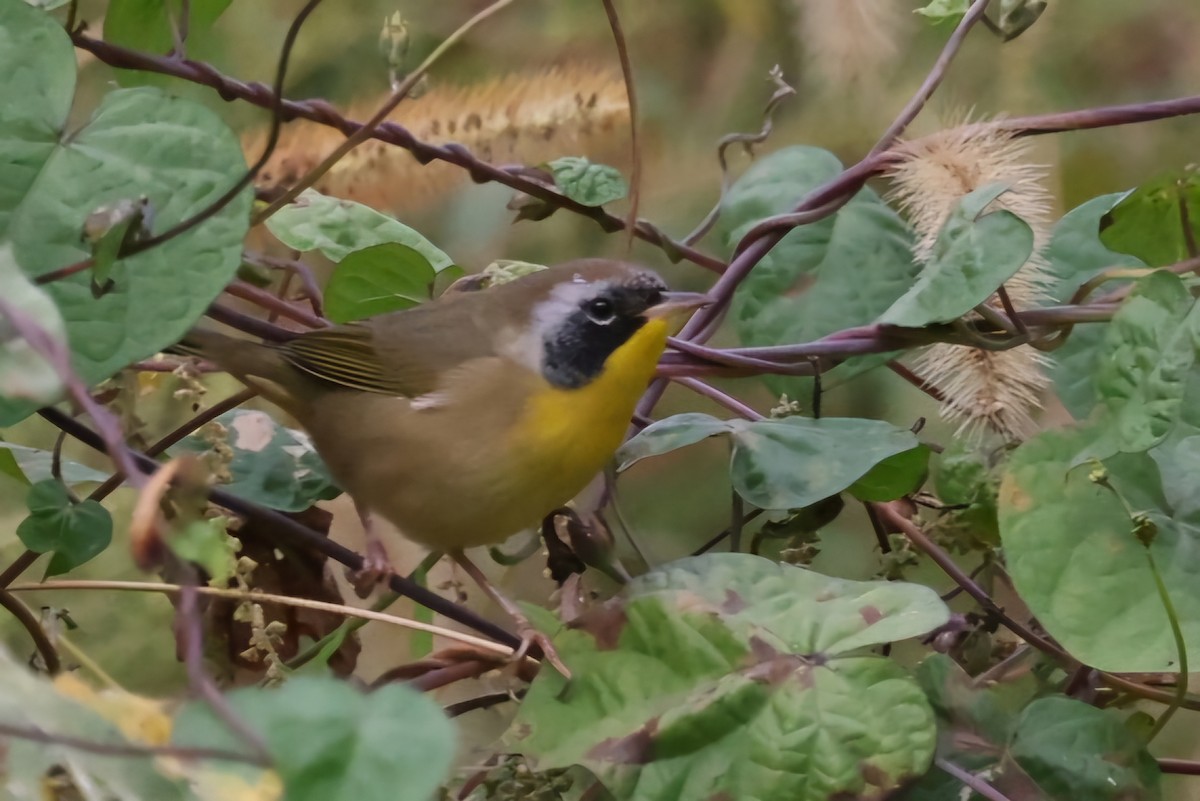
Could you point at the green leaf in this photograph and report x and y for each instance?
(37, 60)
(185, 158)
(329, 742)
(25, 375)
(980, 720)
(378, 279)
(1073, 751)
(1074, 255)
(1072, 554)
(942, 10)
(207, 543)
(972, 257)
(74, 532)
(147, 25)
(841, 271)
(672, 433)
(33, 702)
(782, 464)
(337, 228)
(272, 465)
(587, 183)
(731, 676)
(1149, 348)
(894, 477)
(35, 465)
(1148, 221)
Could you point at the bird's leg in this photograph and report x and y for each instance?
(377, 566)
(529, 635)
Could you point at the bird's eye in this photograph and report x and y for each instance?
(601, 310)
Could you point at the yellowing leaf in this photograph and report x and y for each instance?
(140, 719)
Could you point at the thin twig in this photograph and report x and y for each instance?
(59, 358)
(191, 631)
(367, 130)
(970, 780)
(717, 396)
(31, 624)
(782, 92)
(934, 79)
(890, 514)
(126, 749)
(635, 175)
(267, 300)
(268, 598)
(182, 430)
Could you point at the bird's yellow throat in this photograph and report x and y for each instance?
(567, 435)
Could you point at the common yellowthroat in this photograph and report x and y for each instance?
(466, 419)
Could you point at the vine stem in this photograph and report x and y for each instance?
(970, 780)
(1181, 683)
(125, 749)
(367, 130)
(635, 175)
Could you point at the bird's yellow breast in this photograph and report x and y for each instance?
(566, 436)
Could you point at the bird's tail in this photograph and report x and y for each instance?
(258, 366)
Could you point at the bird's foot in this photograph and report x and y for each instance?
(376, 568)
(531, 637)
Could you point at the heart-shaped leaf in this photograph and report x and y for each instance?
(975, 253)
(74, 532)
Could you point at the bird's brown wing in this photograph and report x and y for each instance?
(400, 354)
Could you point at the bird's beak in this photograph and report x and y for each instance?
(674, 303)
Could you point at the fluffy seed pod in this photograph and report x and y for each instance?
(985, 390)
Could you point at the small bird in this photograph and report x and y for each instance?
(467, 419)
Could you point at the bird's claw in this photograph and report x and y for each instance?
(376, 568)
(530, 637)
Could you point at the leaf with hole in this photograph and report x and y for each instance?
(382, 278)
(843, 270)
(974, 254)
(338, 227)
(330, 742)
(73, 532)
(793, 462)
(271, 465)
(587, 183)
(732, 676)
(1074, 559)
